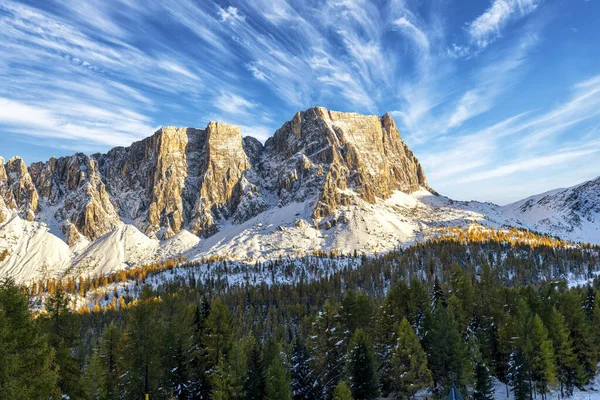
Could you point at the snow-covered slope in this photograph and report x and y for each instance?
(32, 252)
(290, 230)
(325, 181)
(572, 213)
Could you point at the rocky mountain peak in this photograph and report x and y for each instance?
(340, 154)
(195, 179)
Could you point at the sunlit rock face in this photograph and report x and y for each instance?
(328, 152)
(197, 179)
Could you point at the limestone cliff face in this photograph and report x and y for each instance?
(328, 152)
(72, 188)
(196, 179)
(17, 188)
(178, 178)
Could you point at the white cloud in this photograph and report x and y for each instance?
(230, 14)
(55, 120)
(530, 163)
(234, 104)
(487, 27)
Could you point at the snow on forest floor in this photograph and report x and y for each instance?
(591, 392)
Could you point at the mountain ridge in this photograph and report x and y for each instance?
(325, 180)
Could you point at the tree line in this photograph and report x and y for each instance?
(406, 324)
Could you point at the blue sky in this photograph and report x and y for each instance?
(499, 99)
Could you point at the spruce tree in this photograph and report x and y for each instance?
(27, 369)
(518, 375)
(484, 386)
(142, 372)
(219, 331)
(107, 360)
(342, 392)
(255, 383)
(219, 380)
(60, 325)
(409, 370)
(301, 373)
(566, 363)
(329, 347)
(278, 380)
(361, 367)
(198, 362)
(542, 357)
(447, 354)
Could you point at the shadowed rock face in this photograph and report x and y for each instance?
(196, 178)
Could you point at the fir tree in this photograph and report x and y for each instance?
(361, 367)
(409, 369)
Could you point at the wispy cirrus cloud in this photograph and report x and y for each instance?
(98, 73)
(487, 27)
(526, 143)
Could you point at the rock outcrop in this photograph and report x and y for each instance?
(17, 188)
(195, 179)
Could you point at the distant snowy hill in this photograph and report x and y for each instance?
(325, 181)
(572, 213)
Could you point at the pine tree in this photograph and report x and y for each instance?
(219, 381)
(542, 357)
(199, 363)
(517, 375)
(278, 381)
(329, 347)
(447, 354)
(255, 383)
(219, 331)
(27, 368)
(301, 377)
(484, 386)
(566, 362)
(342, 392)
(361, 367)
(409, 369)
(60, 325)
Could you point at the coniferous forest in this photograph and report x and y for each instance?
(403, 325)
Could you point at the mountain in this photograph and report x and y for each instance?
(573, 213)
(325, 180)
